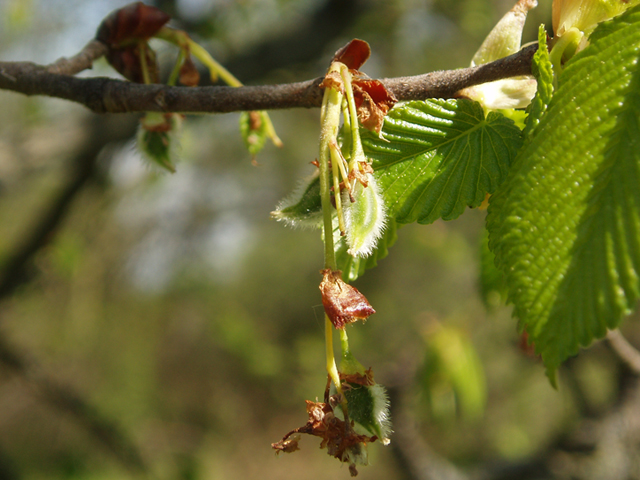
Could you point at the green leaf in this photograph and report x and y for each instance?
(565, 227)
(543, 71)
(253, 128)
(438, 157)
(158, 138)
(353, 267)
(453, 375)
(365, 218)
(493, 287)
(369, 406)
(303, 207)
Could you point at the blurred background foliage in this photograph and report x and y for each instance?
(162, 326)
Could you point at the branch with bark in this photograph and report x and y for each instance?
(106, 95)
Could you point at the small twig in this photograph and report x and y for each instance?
(627, 352)
(104, 95)
(79, 62)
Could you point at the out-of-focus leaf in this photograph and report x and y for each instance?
(158, 138)
(493, 288)
(438, 157)
(253, 128)
(453, 370)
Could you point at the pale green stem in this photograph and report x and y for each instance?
(344, 341)
(357, 153)
(332, 368)
(181, 39)
(330, 122)
(146, 78)
(336, 168)
(175, 73)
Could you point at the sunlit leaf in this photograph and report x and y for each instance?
(565, 227)
(438, 157)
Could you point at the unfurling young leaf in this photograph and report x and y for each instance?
(302, 208)
(367, 401)
(565, 226)
(254, 131)
(543, 71)
(365, 218)
(369, 406)
(158, 138)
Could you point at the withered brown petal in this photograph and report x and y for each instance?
(189, 74)
(133, 22)
(353, 54)
(373, 102)
(365, 379)
(342, 302)
(333, 80)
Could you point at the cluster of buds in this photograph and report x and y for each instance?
(126, 33)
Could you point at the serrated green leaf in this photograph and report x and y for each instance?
(543, 71)
(565, 227)
(353, 267)
(439, 157)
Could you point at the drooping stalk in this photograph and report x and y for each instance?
(175, 72)
(330, 122)
(357, 152)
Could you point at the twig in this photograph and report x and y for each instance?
(104, 95)
(627, 352)
(79, 62)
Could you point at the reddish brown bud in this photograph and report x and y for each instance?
(353, 54)
(343, 303)
(131, 24)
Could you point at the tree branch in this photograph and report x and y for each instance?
(625, 351)
(105, 95)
